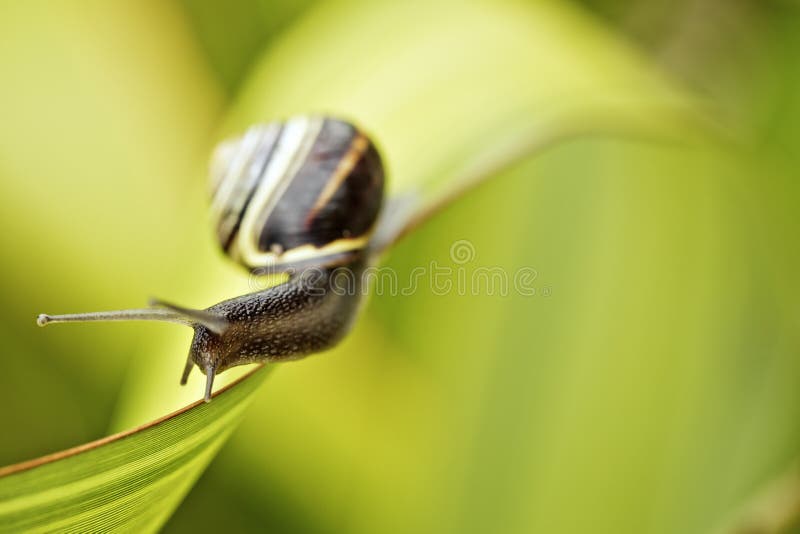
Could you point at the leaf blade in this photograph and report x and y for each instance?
(134, 478)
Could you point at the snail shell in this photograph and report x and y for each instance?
(301, 191)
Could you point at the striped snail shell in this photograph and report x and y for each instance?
(302, 191)
(285, 196)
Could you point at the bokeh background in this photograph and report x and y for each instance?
(650, 385)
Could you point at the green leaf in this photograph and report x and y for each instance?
(447, 103)
(132, 480)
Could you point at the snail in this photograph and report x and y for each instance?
(300, 197)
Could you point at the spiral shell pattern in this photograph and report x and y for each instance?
(301, 190)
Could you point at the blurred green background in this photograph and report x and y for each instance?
(651, 384)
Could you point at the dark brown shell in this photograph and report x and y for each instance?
(292, 191)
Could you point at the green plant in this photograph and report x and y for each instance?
(639, 372)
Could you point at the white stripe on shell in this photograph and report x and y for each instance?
(235, 173)
(220, 162)
(294, 145)
(309, 255)
(250, 178)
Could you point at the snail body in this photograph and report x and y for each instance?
(300, 197)
(309, 313)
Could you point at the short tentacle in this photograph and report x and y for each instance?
(186, 370)
(210, 371)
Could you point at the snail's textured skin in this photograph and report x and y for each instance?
(309, 313)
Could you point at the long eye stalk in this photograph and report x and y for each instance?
(146, 314)
(162, 311)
